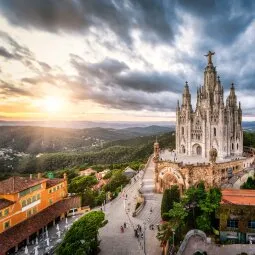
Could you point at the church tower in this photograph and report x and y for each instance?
(212, 124)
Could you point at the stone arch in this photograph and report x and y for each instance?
(170, 176)
(197, 149)
(207, 185)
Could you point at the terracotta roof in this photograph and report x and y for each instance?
(88, 171)
(16, 184)
(238, 196)
(5, 203)
(21, 231)
(53, 182)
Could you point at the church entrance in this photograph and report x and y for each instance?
(197, 149)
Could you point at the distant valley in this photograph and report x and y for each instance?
(35, 140)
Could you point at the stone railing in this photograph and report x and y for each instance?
(142, 199)
(185, 241)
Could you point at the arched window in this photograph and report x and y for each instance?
(232, 146)
(237, 146)
(182, 130)
(214, 131)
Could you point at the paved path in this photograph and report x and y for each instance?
(113, 242)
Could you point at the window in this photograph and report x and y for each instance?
(1, 214)
(24, 192)
(38, 196)
(36, 187)
(34, 210)
(232, 146)
(232, 223)
(251, 224)
(54, 189)
(6, 212)
(50, 201)
(57, 187)
(24, 203)
(182, 130)
(214, 131)
(50, 190)
(7, 224)
(29, 213)
(29, 201)
(237, 146)
(34, 199)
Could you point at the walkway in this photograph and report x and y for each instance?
(196, 243)
(120, 210)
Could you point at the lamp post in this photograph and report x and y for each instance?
(144, 228)
(173, 230)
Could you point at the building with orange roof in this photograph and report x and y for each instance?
(237, 216)
(87, 172)
(29, 204)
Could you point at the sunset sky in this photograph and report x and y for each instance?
(119, 60)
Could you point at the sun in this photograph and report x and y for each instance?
(53, 104)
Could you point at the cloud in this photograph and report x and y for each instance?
(121, 17)
(7, 89)
(135, 54)
(5, 53)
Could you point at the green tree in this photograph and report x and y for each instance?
(177, 216)
(82, 238)
(169, 197)
(118, 179)
(208, 206)
(81, 183)
(249, 184)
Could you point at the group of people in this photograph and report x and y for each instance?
(138, 231)
(123, 227)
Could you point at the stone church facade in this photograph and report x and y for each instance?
(212, 124)
(213, 128)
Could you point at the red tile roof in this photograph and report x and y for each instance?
(16, 234)
(238, 196)
(5, 203)
(16, 184)
(53, 182)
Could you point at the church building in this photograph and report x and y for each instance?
(212, 124)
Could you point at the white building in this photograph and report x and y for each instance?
(212, 124)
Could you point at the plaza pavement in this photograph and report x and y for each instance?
(120, 210)
(196, 243)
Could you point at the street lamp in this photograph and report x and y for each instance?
(173, 230)
(144, 228)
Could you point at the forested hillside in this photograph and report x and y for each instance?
(116, 152)
(44, 139)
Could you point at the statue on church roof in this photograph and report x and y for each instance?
(209, 55)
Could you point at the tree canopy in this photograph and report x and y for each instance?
(82, 237)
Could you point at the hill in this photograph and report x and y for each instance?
(30, 139)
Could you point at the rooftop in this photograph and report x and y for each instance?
(52, 182)
(5, 203)
(238, 197)
(21, 231)
(16, 184)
